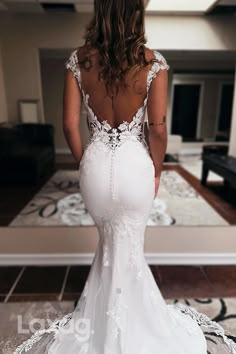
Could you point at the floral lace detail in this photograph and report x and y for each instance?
(102, 130)
(203, 321)
(118, 315)
(121, 234)
(72, 64)
(105, 261)
(136, 251)
(55, 328)
(114, 137)
(162, 65)
(115, 238)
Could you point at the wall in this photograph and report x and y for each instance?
(232, 147)
(191, 32)
(52, 88)
(3, 102)
(21, 36)
(76, 245)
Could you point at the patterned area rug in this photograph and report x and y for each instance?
(222, 310)
(59, 202)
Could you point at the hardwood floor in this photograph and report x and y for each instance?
(213, 194)
(48, 283)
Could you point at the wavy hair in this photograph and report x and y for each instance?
(117, 31)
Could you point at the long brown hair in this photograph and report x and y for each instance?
(117, 31)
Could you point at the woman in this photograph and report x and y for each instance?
(121, 310)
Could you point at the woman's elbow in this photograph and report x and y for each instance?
(158, 132)
(69, 126)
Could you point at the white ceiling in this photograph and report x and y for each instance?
(183, 6)
(84, 6)
(35, 5)
(153, 6)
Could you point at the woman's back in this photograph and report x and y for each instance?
(117, 143)
(129, 99)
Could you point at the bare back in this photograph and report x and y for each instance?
(128, 101)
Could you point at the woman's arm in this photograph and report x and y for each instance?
(72, 101)
(156, 110)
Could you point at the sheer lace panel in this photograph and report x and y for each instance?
(130, 101)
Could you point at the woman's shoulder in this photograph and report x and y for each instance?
(153, 53)
(161, 60)
(77, 54)
(85, 51)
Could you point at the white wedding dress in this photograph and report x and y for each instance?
(121, 309)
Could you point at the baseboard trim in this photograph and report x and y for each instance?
(86, 259)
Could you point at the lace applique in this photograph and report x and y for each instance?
(205, 322)
(55, 327)
(72, 64)
(122, 233)
(105, 261)
(136, 256)
(162, 65)
(139, 274)
(102, 130)
(184, 321)
(111, 232)
(118, 315)
(114, 137)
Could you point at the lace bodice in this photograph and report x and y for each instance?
(101, 129)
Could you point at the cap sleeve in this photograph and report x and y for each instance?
(157, 66)
(72, 64)
(162, 62)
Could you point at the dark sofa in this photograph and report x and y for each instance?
(27, 152)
